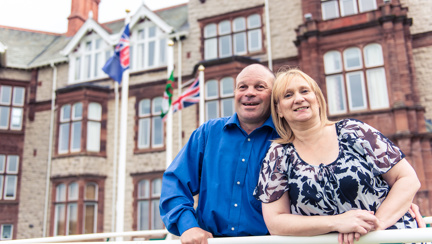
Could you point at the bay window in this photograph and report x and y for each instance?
(73, 124)
(353, 85)
(76, 206)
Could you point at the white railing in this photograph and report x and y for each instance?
(142, 237)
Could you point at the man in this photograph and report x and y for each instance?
(221, 162)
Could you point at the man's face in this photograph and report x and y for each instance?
(252, 95)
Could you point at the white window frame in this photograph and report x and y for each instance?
(375, 94)
(94, 120)
(2, 232)
(140, 49)
(149, 197)
(14, 108)
(218, 98)
(363, 90)
(148, 123)
(330, 92)
(91, 60)
(90, 202)
(221, 43)
(7, 173)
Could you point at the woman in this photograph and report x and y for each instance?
(347, 171)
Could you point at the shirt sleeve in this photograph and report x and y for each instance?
(381, 153)
(180, 183)
(273, 178)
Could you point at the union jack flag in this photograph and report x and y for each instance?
(189, 97)
(119, 62)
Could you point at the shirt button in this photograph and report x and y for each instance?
(243, 159)
(232, 228)
(248, 139)
(235, 205)
(238, 182)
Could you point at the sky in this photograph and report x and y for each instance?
(51, 15)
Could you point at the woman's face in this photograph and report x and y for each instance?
(298, 102)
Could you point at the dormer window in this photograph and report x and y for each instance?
(88, 59)
(148, 47)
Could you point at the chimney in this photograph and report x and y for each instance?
(79, 13)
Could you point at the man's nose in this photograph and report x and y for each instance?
(251, 92)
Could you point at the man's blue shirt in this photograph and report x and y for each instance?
(221, 163)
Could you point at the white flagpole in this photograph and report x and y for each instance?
(170, 68)
(122, 153)
(114, 179)
(201, 88)
(269, 49)
(179, 82)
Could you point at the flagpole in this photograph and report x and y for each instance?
(122, 152)
(114, 179)
(179, 82)
(169, 122)
(268, 35)
(201, 87)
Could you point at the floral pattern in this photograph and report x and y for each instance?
(352, 181)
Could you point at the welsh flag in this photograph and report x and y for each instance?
(166, 102)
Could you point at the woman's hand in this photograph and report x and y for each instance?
(348, 238)
(356, 221)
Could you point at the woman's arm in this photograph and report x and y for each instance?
(404, 185)
(280, 221)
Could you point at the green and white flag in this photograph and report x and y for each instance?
(166, 102)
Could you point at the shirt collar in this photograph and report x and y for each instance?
(233, 120)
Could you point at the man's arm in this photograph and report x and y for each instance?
(179, 184)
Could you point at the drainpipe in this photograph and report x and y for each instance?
(269, 49)
(50, 145)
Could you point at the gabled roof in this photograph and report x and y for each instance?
(25, 48)
(145, 12)
(89, 25)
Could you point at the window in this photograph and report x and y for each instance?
(71, 127)
(6, 232)
(238, 36)
(87, 61)
(11, 107)
(148, 48)
(332, 9)
(356, 86)
(150, 125)
(94, 127)
(219, 96)
(148, 195)
(90, 207)
(9, 166)
(75, 213)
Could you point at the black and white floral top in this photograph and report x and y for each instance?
(352, 181)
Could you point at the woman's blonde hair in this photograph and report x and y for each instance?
(283, 78)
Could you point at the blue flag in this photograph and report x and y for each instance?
(119, 62)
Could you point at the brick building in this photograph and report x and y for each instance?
(57, 107)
